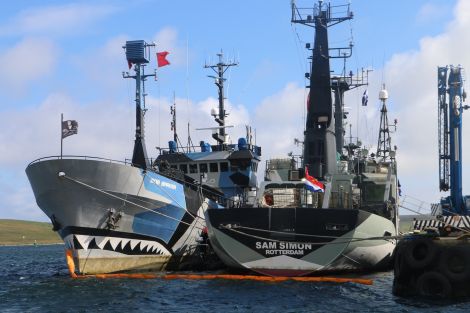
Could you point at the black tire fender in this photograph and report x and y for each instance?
(454, 263)
(420, 253)
(433, 284)
(402, 272)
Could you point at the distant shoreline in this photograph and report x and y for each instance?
(21, 233)
(31, 244)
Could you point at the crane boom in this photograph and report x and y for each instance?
(451, 96)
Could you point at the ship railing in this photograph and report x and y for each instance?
(415, 205)
(83, 157)
(334, 13)
(214, 148)
(283, 163)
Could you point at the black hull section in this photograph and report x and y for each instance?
(286, 224)
(300, 241)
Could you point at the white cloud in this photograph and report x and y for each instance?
(167, 40)
(64, 19)
(430, 12)
(278, 120)
(29, 60)
(411, 79)
(106, 129)
(197, 114)
(111, 59)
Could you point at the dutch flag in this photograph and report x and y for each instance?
(312, 184)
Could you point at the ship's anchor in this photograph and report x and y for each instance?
(113, 219)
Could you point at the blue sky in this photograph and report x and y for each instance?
(66, 57)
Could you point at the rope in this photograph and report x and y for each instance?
(125, 200)
(296, 234)
(169, 196)
(313, 243)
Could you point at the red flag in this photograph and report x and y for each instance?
(129, 63)
(161, 58)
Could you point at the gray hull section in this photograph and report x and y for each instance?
(352, 251)
(114, 217)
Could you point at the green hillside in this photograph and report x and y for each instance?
(15, 232)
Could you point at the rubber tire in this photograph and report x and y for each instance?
(420, 253)
(401, 271)
(401, 290)
(433, 285)
(454, 263)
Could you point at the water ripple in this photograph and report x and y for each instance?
(35, 279)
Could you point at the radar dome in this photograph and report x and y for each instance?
(383, 94)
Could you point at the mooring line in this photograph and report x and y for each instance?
(313, 243)
(298, 234)
(125, 200)
(167, 194)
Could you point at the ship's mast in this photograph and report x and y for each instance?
(340, 84)
(137, 52)
(220, 68)
(173, 119)
(320, 140)
(384, 145)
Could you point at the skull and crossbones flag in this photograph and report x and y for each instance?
(69, 128)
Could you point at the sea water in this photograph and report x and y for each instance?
(35, 279)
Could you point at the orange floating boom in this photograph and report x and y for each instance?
(71, 267)
(70, 263)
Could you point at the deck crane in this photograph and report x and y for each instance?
(451, 96)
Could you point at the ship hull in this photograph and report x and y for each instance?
(300, 241)
(115, 217)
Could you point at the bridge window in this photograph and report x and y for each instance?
(184, 168)
(203, 168)
(223, 166)
(213, 167)
(192, 168)
(373, 192)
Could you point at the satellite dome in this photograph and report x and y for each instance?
(383, 94)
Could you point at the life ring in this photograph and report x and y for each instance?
(454, 263)
(433, 284)
(268, 199)
(420, 253)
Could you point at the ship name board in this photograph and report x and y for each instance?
(283, 248)
(158, 182)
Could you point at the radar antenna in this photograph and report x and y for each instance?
(220, 68)
(137, 53)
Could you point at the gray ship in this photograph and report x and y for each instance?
(344, 221)
(141, 215)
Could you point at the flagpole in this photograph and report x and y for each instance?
(61, 137)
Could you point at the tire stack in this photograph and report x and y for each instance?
(433, 267)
